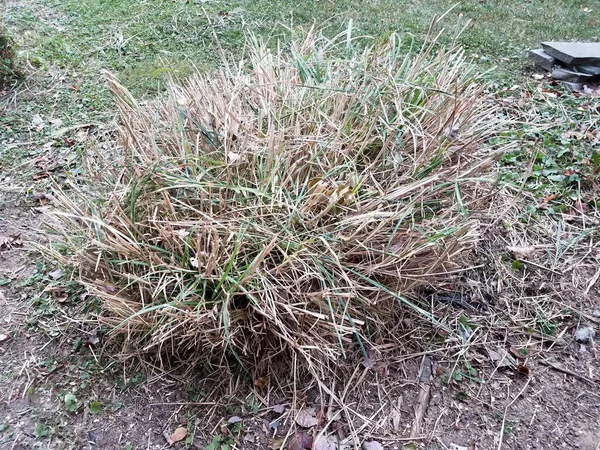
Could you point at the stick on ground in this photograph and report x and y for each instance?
(424, 395)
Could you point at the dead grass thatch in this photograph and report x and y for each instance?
(290, 204)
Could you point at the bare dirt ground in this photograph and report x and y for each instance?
(519, 381)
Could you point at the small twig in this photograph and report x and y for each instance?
(539, 266)
(566, 371)
(424, 395)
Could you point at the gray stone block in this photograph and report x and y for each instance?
(542, 59)
(590, 70)
(574, 53)
(571, 76)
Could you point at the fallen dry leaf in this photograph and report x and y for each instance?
(501, 358)
(572, 134)
(234, 419)
(37, 122)
(276, 443)
(325, 443)
(300, 441)
(279, 409)
(56, 274)
(522, 252)
(307, 417)
(93, 340)
(261, 382)
(334, 414)
(522, 370)
(3, 337)
(40, 175)
(372, 445)
(179, 434)
(321, 415)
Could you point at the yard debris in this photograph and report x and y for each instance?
(585, 335)
(591, 283)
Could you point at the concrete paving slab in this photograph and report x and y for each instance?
(542, 59)
(574, 53)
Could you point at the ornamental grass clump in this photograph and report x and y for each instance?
(286, 207)
(8, 71)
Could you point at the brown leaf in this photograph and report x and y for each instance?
(522, 370)
(301, 440)
(179, 434)
(321, 415)
(61, 298)
(550, 197)
(40, 175)
(261, 382)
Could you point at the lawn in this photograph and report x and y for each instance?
(145, 43)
